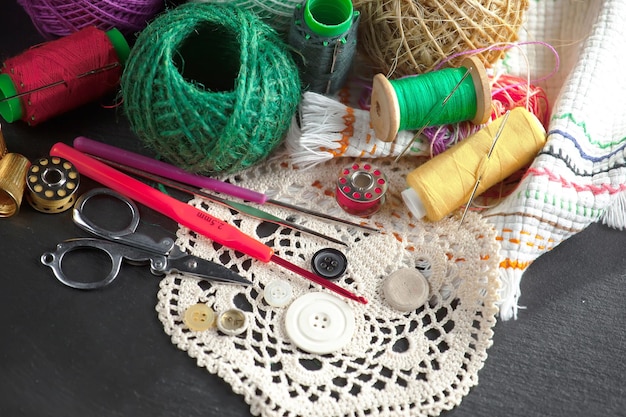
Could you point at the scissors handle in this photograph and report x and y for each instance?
(115, 251)
(125, 235)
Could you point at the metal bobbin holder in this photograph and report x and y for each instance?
(361, 189)
(52, 184)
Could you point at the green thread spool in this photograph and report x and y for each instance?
(406, 104)
(210, 88)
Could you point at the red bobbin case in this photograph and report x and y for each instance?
(361, 189)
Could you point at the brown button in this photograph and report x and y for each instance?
(406, 289)
(199, 317)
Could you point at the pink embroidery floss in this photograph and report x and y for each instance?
(56, 18)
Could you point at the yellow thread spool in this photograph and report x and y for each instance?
(445, 183)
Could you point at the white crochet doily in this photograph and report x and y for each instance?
(416, 363)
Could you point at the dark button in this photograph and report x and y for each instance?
(329, 263)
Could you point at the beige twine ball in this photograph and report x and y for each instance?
(408, 37)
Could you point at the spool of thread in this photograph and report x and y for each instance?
(211, 88)
(57, 18)
(405, 104)
(276, 13)
(52, 184)
(323, 35)
(361, 189)
(61, 75)
(445, 182)
(13, 168)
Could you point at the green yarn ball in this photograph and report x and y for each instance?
(210, 88)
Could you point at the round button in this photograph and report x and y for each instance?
(199, 317)
(406, 289)
(329, 263)
(232, 322)
(319, 323)
(277, 293)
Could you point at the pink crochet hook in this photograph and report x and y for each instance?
(186, 215)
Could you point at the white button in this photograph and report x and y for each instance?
(277, 293)
(406, 289)
(319, 322)
(232, 322)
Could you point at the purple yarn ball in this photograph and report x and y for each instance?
(55, 18)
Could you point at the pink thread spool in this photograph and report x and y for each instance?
(361, 189)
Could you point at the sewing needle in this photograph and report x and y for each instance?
(433, 112)
(482, 166)
(166, 170)
(61, 82)
(242, 208)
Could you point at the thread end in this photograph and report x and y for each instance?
(328, 17)
(122, 49)
(414, 203)
(10, 105)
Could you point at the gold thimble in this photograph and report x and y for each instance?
(13, 169)
(3, 145)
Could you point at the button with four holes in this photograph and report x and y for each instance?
(277, 293)
(319, 322)
(329, 263)
(199, 317)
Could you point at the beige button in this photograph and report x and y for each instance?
(406, 289)
(199, 317)
(232, 322)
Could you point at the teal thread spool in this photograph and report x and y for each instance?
(405, 104)
(323, 36)
(210, 88)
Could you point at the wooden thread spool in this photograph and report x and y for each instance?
(387, 116)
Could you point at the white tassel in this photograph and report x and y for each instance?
(329, 129)
(615, 214)
(509, 293)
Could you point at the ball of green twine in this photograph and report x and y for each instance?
(210, 88)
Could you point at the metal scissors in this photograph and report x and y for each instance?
(126, 244)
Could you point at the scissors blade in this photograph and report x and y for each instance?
(204, 269)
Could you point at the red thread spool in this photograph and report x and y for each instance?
(361, 189)
(60, 75)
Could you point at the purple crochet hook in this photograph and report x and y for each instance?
(172, 172)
